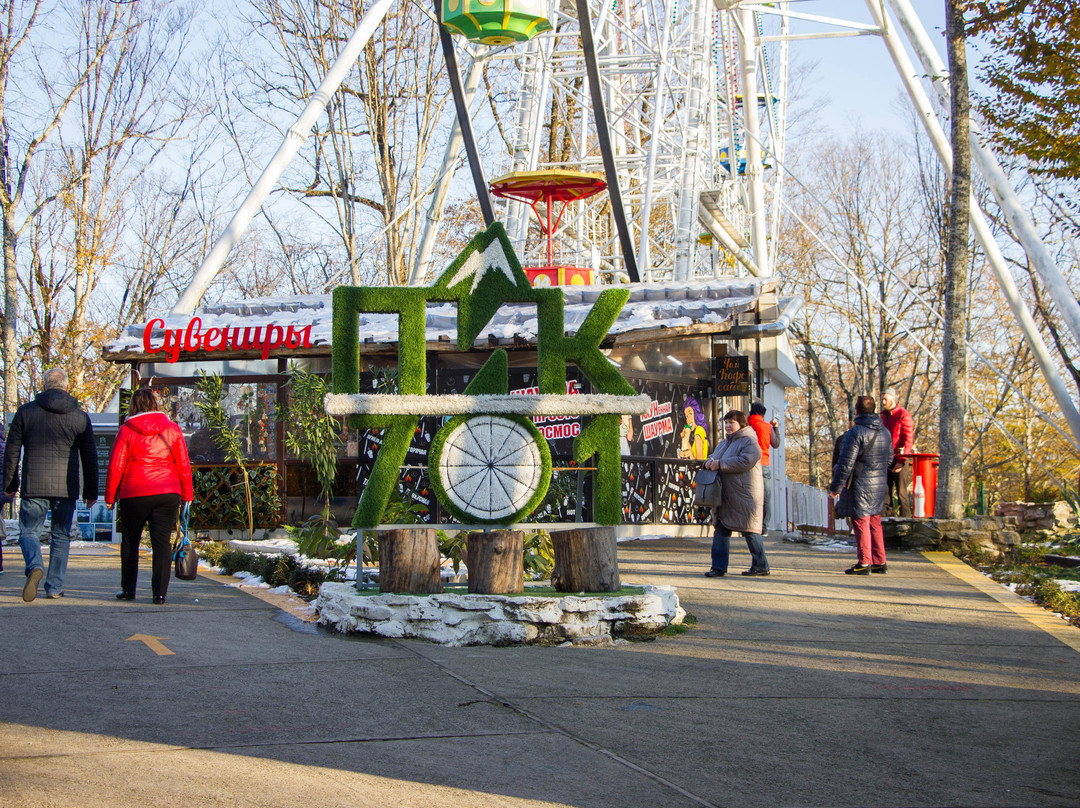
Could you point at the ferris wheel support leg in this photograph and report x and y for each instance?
(294, 139)
(446, 177)
(1019, 221)
(690, 192)
(475, 166)
(754, 171)
(985, 236)
(603, 138)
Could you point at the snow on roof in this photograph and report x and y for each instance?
(651, 305)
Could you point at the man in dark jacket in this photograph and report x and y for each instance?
(54, 437)
(859, 481)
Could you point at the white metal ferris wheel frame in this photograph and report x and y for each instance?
(673, 58)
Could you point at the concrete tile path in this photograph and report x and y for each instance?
(928, 686)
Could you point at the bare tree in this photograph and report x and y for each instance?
(374, 150)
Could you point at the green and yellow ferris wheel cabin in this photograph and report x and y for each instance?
(496, 22)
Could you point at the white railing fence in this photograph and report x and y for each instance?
(807, 510)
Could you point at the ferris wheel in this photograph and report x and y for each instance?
(691, 160)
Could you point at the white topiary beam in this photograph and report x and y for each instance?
(342, 404)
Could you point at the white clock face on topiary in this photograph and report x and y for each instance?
(490, 466)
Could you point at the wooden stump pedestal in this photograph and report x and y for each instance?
(586, 560)
(409, 561)
(495, 562)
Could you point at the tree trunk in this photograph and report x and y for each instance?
(409, 561)
(585, 560)
(11, 318)
(950, 487)
(496, 564)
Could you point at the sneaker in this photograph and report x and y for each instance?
(858, 569)
(55, 595)
(715, 574)
(880, 568)
(29, 592)
(755, 572)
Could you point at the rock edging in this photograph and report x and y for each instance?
(463, 619)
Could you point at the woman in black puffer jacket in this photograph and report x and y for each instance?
(860, 481)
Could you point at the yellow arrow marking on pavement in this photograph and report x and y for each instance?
(153, 643)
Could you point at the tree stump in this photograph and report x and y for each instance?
(409, 561)
(496, 566)
(585, 560)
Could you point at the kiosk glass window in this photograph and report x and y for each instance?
(250, 408)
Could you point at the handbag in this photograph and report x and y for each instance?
(185, 557)
(708, 485)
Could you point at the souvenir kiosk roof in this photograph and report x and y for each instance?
(654, 310)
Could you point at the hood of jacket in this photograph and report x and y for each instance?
(148, 423)
(870, 420)
(59, 401)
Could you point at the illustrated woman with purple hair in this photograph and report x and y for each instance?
(695, 440)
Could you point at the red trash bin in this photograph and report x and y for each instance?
(924, 467)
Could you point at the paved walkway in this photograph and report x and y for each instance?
(807, 688)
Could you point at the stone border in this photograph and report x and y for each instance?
(457, 620)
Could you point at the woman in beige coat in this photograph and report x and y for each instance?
(742, 497)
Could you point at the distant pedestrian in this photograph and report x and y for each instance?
(902, 428)
(52, 437)
(150, 475)
(738, 459)
(768, 437)
(859, 483)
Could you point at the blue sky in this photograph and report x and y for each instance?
(855, 75)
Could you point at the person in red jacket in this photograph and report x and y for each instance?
(898, 421)
(149, 475)
(768, 437)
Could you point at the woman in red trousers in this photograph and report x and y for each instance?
(149, 474)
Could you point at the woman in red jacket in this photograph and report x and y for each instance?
(150, 474)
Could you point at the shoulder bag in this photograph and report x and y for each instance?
(185, 558)
(708, 485)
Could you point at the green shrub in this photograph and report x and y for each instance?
(539, 558)
(306, 581)
(233, 561)
(210, 551)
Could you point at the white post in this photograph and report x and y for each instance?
(999, 184)
(754, 171)
(446, 177)
(644, 253)
(690, 184)
(294, 138)
(978, 222)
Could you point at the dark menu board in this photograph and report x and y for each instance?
(103, 443)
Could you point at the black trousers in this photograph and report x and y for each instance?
(899, 492)
(157, 511)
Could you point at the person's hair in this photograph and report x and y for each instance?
(736, 415)
(890, 392)
(55, 379)
(699, 415)
(143, 400)
(865, 405)
(757, 408)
